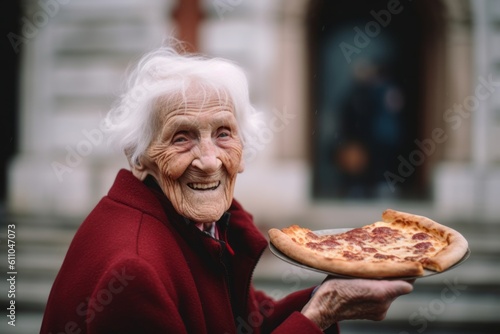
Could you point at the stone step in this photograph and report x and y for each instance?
(26, 323)
(449, 302)
(428, 327)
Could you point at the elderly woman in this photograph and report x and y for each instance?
(169, 250)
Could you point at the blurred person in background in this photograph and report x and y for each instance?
(169, 250)
(370, 124)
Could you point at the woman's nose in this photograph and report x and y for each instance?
(207, 158)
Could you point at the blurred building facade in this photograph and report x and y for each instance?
(297, 55)
(420, 77)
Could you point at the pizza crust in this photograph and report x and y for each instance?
(292, 242)
(456, 246)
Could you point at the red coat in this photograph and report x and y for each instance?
(130, 269)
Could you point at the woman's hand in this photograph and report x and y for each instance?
(342, 299)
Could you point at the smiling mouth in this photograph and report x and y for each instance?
(204, 186)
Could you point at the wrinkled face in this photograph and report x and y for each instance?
(195, 158)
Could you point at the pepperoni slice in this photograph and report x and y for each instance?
(312, 236)
(330, 242)
(314, 246)
(385, 257)
(357, 234)
(420, 236)
(421, 247)
(379, 239)
(352, 256)
(384, 230)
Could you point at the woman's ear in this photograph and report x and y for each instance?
(139, 170)
(241, 167)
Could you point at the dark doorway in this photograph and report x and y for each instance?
(10, 56)
(366, 87)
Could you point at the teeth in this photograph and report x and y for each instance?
(204, 186)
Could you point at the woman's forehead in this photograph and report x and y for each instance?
(198, 109)
(194, 100)
(199, 114)
(199, 104)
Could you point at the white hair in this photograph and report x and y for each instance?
(163, 77)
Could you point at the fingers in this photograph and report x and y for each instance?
(401, 287)
(341, 299)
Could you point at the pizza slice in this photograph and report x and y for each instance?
(401, 245)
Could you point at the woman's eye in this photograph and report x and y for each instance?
(223, 133)
(179, 138)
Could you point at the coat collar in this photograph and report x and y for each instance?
(127, 189)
